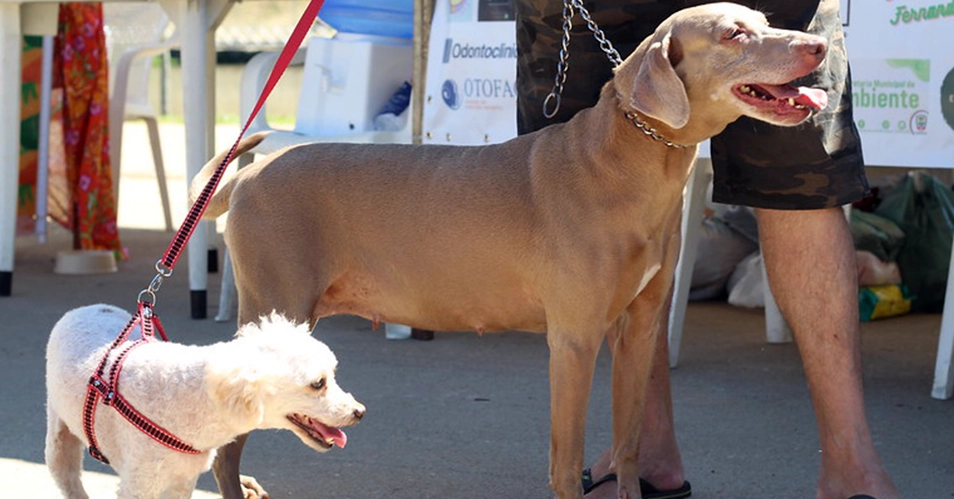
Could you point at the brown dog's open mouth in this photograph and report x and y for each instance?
(782, 99)
(324, 435)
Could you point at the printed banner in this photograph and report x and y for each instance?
(903, 80)
(472, 61)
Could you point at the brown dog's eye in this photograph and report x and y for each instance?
(734, 33)
(318, 385)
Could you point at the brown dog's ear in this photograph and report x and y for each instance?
(658, 92)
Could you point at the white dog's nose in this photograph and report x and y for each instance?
(358, 413)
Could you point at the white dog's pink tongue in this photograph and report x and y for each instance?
(339, 437)
(333, 434)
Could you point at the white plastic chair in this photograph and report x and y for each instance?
(135, 34)
(346, 81)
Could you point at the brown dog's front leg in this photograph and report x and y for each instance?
(571, 375)
(226, 470)
(637, 343)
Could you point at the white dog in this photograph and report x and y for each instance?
(272, 375)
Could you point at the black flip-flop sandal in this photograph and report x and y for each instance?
(646, 489)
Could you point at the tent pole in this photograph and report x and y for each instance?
(423, 13)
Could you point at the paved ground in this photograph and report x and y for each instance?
(465, 416)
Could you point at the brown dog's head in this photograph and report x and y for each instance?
(705, 66)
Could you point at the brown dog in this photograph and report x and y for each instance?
(572, 230)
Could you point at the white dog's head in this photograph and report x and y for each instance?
(282, 377)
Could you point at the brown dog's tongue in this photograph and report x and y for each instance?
(814, 98)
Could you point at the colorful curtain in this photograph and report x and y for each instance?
(29, 132)
(81, 70)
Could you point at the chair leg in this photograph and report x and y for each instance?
(692, 211)
(227, 292)
(153, 126)
(943, 369)
(777, 329)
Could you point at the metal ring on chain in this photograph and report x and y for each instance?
(555, 98)
(144, 294)
(163, 269)
(560, 78)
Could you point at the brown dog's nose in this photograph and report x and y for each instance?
(814, 49)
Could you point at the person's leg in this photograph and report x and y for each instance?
(660, 463)
(809, 257)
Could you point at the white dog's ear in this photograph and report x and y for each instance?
(658, 92)
(237, 393)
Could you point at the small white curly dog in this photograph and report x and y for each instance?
(271, 375)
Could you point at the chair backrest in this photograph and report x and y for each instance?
(348, 79)
(132, 26)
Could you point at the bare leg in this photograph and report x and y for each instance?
(809, 257)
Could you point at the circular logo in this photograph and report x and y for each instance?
(450, 95)
(919, 122)
(947, 99)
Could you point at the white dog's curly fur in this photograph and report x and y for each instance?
(273, 374)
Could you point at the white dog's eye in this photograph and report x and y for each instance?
(318, 385)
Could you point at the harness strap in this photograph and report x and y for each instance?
(106, 389)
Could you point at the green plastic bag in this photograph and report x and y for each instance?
(876, 234)
(923, 208)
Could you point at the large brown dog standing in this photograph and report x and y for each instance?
(572, 230)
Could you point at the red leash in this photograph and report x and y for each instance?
(106, 388)
(195, 214)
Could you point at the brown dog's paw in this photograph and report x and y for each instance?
(251, 488)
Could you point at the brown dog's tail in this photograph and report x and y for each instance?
(219, 203)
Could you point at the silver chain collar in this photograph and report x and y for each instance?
(652, 132)
(554, 97)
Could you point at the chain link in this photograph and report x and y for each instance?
(605, 44)
(652, 132)
(555, 96)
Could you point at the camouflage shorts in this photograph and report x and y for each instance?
(818, 164)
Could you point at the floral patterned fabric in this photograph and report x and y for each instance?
(81, 70)
(29, 132)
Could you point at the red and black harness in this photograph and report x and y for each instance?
(105, 387)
